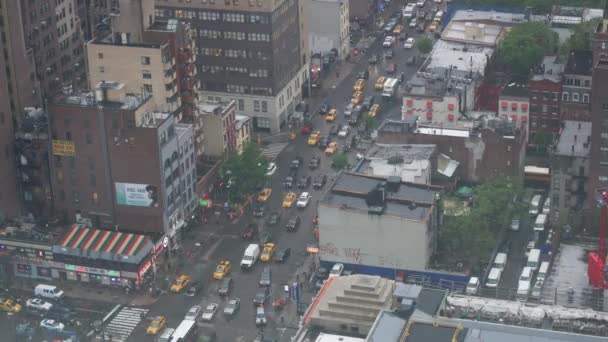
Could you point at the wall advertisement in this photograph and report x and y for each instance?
(139, 195)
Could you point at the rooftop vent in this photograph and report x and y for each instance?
(393, 183)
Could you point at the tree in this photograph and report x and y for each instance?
(526, 45)
(340, 161)
(424, 45)
(245, 171)
(542, 139)
(581, 38)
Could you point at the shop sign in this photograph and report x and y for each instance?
(162, 245)
(84, 269)
(145, 268)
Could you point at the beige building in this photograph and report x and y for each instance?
(242, 129)
(218, 127)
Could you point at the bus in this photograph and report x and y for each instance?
(185, 332)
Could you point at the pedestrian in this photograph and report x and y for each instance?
(301, 287)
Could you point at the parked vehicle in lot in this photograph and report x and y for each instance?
(530, 246)
(232, 307)
(533, 259)
(523, 287)
(494, 278)
(500, 261)
(547, 206)
(266, 276)
(472, 286)
(209, 312)
(543, 271)
(293, 224)
(537, 289)
(540, 223)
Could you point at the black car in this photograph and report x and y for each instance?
(293, 224)
(261, 297)
(258, 209)
(421, 14)
(420, 27)
(322, 273)
(194, 288)
(282, 255)
(319, 182)
(288, 182)
(295, 164)
(429, 17)
(266, 276)
(304, 182)
(314, 163)
(389, 54)
(225, 286)
(404, 36)
(373, 59)
(323, 142)
(273, 218)
(363, 74)
(368, 102)
(333, 130)
(250, 232)
(324, 108)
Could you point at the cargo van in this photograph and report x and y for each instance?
(472, 286)
(500, 261)
(543, 271)
(48, 291)
(534, 205)
(523, 287)
(540, 223)
(494, 278)
(251, 255)
(534, 259)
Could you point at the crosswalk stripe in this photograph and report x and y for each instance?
(123, 324)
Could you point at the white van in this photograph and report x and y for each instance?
(537, 289)
(48, 291)
(540, 223)
(494, 278)
(472, 286)
(534, 259)
(500, 261)
(523, 287)
(251, 255)
(547, 206)
(543, 271)
(534, 205)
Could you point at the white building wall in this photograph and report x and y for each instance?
(328, 26)
(355, 237)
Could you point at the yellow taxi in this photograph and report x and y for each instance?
(357, 98)
(180, 283)
(289, 199)
(9, 305)
(434, 26)
(331, 116)
(331, 148)
(359, 85)
(157, 325)
(267, 252)
(264, 195)
(379, 85)
(374, 110)
(222, 270)
(314, 138)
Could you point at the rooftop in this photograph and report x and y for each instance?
(574, 139)
(580, 62)
(423, 332)
(472, 33)
(458, 57)
(240, 120)
(109, 95)
(408, 201)
(550, 69)
(410, 162)
(514, 91)
(207, 107)
(493, 16)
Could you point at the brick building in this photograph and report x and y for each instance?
(576, 86)
(544, 89)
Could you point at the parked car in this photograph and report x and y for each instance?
(232, 307)
(266, 276)
(319, 182)
(472, 286)
(261, 297)
(336, 270)
(282, 255)
(314, 163)
(271, 169)
(225, 286)
(303, 200)
(209, 312)
(293, 224)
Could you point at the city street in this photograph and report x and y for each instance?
(230, 245)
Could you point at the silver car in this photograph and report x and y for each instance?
(193, 313)
(209, 312)
(232, 307)
(260, 316)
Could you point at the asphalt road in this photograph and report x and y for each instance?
(230, 246)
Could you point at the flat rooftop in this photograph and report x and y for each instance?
(574, 139)
(494, 16)
(459, 57)
(410, 162)
(472, 33)
(580, 62)
(550, 69)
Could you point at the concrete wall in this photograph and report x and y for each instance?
(566, 185)
(328, 22)
(358, 238)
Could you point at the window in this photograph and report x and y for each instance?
(100, 55)
(88, 138)
(585, 98)
(102, 69)
(565, 96)
(256, 105)
(241, 104)
(574, 97)
(263, 123)
(265, 106)
(68, 135)
(545, 108)
(75, 196)
(148, 88)
(145, 60)
(605, 106)
(577, 82)
(146, 74)
(509, 148)
(508, 163)
(587, 83)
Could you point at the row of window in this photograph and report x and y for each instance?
(251, 72)
(215, 34)
(575, 97)
(204, 15)
(234, 53)
(576, 82)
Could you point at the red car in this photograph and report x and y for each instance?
(391, 68)
(306, 127)
(250, 232)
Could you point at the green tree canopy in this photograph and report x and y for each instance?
(581, 38)
(424, 45)
(525, 45)
(245, 171)
(340, 161)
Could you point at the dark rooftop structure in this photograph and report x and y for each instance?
(426, 332)
(580, 62)
(430, 300)
(515, 90)
(388, 195)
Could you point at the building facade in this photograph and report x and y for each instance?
(598, 175)
(514, 105)
(118, 163)
(253, 52)
(328, 27)
(219, 128)
(545, 88)
(576, 86)
(242, 129)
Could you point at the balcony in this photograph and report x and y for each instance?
(168, 61)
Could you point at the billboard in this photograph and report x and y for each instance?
(63, 148)
(139, 195)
